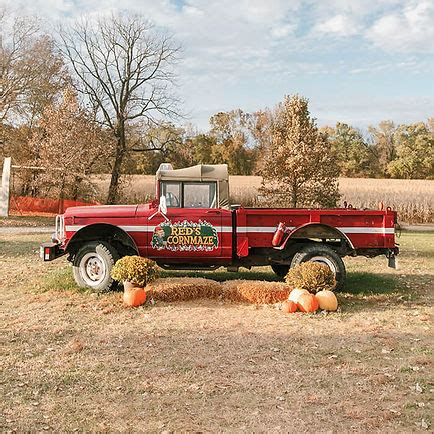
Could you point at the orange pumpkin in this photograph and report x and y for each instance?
(307, 303)
(134, 297)
(289, 306)
(295, 294)
(327, 300)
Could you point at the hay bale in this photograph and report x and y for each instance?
(230, 290)
(183, 289)
(255, 291)
(189, 288)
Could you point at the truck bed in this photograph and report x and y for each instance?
(363, 228)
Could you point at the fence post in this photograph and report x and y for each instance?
(4, 193)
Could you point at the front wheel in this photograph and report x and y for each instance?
(324, 255)
(92, 266)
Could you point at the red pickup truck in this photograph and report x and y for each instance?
(191, 225)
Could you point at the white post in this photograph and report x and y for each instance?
(4, 193)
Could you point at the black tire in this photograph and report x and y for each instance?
(326, 255)
(280, 269)
(92, 266)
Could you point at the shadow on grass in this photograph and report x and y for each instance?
(368, 283)
(357, 282)
(222, 276)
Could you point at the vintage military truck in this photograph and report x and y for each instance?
(191, 225)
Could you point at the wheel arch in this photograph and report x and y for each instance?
(112, 234)
(322, 231)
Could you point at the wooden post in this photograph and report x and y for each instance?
(4, 193)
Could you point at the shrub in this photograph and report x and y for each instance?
(135, 269)
(312, 276)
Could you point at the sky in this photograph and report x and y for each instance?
(357, 61)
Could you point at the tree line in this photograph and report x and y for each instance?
(240, 139)
(98, 97)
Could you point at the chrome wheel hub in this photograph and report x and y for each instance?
(92, 269)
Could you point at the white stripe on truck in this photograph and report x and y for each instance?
(259, 229)
(365, 230)
(250, 229)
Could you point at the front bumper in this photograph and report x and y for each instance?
(50, 251)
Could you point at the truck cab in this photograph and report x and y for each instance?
(195, 224)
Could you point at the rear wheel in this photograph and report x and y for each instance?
(280, 269)
(92, 266)
(323, 254)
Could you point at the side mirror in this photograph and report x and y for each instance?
(163, 205)
(162, 209)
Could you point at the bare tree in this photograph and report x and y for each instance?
(124, 67)
(156, 137)
(16, 39)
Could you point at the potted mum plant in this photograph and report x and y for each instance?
(312, 285)
(135, 273)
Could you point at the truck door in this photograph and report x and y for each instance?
(194, 227)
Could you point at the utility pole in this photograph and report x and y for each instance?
(4, 193)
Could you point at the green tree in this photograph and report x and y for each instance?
(231, 133)
(200, 148)
(152, 144)
(355, 157)
(383, 143)
(260, 129)
(414, 152)
(299, 166)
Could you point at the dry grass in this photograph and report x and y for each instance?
(413, 199)
(77, 361)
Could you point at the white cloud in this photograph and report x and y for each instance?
(236, 53)
(339, 25)
(411, 29)
(282, 31)
(192, 10)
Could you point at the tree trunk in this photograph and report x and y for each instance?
(116, 171)
(76, 187)
(294, 196)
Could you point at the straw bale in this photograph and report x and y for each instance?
(241, 291)
(255, 291)
(183, 288)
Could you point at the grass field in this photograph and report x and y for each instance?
(78, 361)
(412, 198)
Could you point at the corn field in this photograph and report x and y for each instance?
(413, 199)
